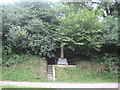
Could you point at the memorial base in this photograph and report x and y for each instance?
(62, 61)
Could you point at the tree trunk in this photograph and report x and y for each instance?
(62, 52)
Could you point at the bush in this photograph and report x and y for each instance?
(111, 63)
(33, 38)
(6, 50)
(12, 59)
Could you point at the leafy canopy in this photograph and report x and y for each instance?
(81, 29)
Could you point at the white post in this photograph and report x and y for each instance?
(53, 66)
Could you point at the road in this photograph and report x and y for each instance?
(60, 85)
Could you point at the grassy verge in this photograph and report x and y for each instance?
(7, 87)
(84, 72)
(11, 86)
(31, 69)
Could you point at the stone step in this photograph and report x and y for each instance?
(49, 72)
(50, 78)
(49, 69)
(49, 65)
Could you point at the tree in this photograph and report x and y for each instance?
(27, 27)
(110, 8)
(40, 38)
(111, 36)
(112, 15)
(82, 30)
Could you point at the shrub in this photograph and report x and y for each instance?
(111, 63)
(12, 59)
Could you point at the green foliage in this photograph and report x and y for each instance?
(12, 59)
(111, 63)
(82, 29)
(25, 29)
(110, 8)
(40, 38)
(112, 15)
(111, 36)
(18, 37)
(7, 50)
(38, 28)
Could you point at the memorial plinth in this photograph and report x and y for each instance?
(62, 61)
